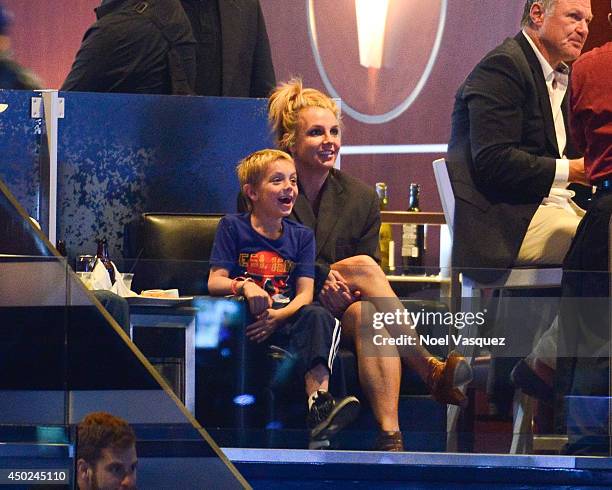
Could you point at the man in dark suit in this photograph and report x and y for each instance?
(136, 46)
(509, 147)
(510, 157)
(232, 50)
(207, 47)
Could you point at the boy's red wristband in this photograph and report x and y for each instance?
(235, 281)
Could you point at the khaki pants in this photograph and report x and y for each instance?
(549, 236)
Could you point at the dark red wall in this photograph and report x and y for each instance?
(47, 33)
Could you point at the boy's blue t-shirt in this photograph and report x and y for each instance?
(274, 265)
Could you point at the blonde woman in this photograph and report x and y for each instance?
(344, 213)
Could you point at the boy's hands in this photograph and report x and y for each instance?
(259, 300)
(260, 306)
(267, 322)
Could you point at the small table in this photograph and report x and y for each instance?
(411, 217)
(182, 317)
(424, 218)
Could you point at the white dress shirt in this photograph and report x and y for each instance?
(557, 81)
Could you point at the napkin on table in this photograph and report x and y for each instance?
(101, 280)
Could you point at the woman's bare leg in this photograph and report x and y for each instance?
(363, 274)
(379, 376)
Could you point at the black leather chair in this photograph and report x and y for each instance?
(171, 250)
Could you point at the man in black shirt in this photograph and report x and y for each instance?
(233, 51)
(136, 46)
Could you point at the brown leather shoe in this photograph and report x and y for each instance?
(445, 378)
(389, 441)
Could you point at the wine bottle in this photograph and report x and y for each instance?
(61, 248)
(413, 237)
(385, 234)
(102, 255)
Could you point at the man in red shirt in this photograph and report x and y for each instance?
(591, 111)
(591, 127)
(585, 322)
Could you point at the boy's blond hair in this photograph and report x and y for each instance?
(252, 168)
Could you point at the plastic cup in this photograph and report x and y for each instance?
(85, 278)
(85, 263)
(127, 279)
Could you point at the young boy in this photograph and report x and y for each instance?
(269, 260)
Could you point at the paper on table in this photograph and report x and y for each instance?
(161, 293)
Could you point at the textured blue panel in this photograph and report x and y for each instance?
(121, 155)
(19, 147)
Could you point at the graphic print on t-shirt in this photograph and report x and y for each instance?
(270, 272)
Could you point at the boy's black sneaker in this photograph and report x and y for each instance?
(328, 415)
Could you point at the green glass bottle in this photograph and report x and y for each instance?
(385, 235)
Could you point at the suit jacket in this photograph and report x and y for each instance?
(136, 47)
(501, 156)
(246, 58)
(153, 52)
(231, 34)
(348, 221)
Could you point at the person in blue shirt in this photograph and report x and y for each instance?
(269, 260)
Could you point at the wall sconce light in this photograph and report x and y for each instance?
(371, 22)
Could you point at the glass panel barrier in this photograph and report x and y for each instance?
(253, 395)
(160, 361)
(64, 356)
(543, 340)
